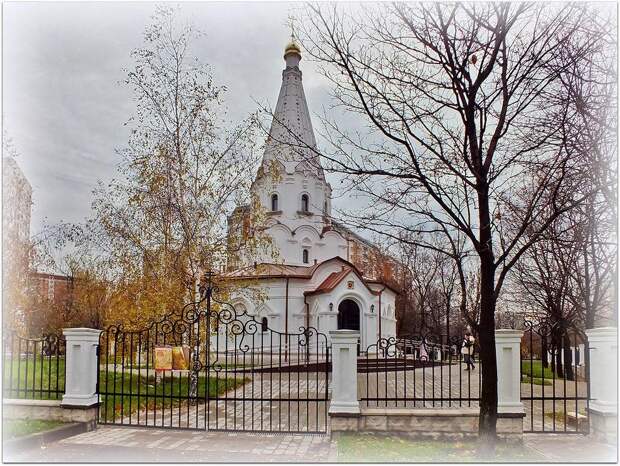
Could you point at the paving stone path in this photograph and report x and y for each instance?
(287, 402)
(553, 418)
(432, 387)
(129, 444)
(429, 387)
(267, 403)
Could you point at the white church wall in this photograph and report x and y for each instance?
(289, 247)
(295, 229)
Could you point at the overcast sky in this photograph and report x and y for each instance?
(64, 106)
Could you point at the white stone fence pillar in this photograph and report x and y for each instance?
(508, 354)
(344, 372)
(81, 367)
(603, 361)
(510, 410)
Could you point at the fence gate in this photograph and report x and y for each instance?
(224, 370)
(554, 379)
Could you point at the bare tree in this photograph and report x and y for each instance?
(428, 291)
(462, 137)
(569, 278)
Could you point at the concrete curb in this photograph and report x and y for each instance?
(41, 438)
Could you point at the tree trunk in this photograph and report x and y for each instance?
(487, 429)
(488, 395)
(544, 349)
(557, 353)
(568, 358)
(557, 370)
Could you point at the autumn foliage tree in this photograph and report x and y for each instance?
(160, 224)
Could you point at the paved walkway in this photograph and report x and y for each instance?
(127, 444)
(428, 388)
(571, 448)
(293, 401)
(276, 402)
(422, 387)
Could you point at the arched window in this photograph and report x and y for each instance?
(264, 324)
(305, 255)
(274, 202)
(304, 203)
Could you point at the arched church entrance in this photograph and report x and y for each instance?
(348, 315)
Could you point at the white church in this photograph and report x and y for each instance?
(322, 275)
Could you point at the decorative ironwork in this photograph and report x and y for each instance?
(555, 383)
(418, 371)
(242, 375)
(33, 367)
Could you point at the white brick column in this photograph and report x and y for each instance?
(81, 367)
(508, 354)
(603, 409)
(344, 372)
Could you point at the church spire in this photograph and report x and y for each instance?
(291, 138)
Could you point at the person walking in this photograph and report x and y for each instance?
(467, 351)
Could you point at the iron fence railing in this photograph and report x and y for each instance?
(555, 383)
(417, 372)
(213, 367)
(33, 368)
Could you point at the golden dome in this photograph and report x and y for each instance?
(292, 47)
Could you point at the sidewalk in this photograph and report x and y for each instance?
(125, 444)
(570, 448)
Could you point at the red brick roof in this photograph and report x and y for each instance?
(270, 270)
(330, 282)
(335, 278)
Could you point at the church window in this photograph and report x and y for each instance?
(304, 203)
(264, 324)
(274, 202)
(305, 256)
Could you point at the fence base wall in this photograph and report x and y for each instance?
(603, 425)
(424, 423)
(47, 410)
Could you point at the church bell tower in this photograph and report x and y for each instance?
(291, 183)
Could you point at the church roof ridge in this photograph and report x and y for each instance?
(266, 270)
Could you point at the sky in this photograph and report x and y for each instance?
(64, 104)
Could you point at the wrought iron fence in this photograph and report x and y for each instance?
(420, 371)
(554, 378)
(33, 368)
(229, 371)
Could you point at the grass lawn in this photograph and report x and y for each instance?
(559, 414)
(368, 447)
(153, 396)
(14, 428)
(535, 369)
(39, 373)
(536, 381)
